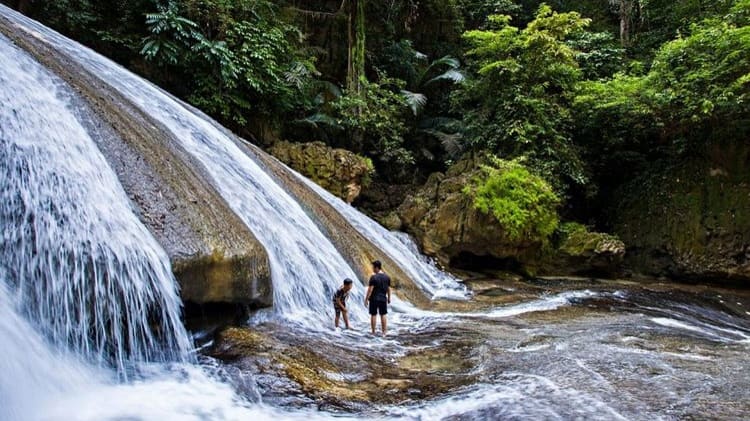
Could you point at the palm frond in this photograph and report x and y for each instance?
(451, 142)
(440, 123)
(318, 119)
(416, 101)
(297, 74)
(451, 73)
(453, 76)
(447, 61)
(331, 88)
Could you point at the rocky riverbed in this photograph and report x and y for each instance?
(520, 349)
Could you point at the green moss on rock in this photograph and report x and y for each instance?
(579, 251)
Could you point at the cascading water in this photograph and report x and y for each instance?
(305, 266)
(399, 247)
(87, 296)
(30, 369)
(79, 262)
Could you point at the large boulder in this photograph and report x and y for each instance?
(690, 220)
(339, 171)
(446, 224)
(380, 200)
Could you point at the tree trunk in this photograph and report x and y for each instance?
(626, 18)
(356, 62)
(355, 74)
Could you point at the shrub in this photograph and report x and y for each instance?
(523, 203)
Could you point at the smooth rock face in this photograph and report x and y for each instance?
(694, 222)
(214, 255)
(339, 171)
(446, 224)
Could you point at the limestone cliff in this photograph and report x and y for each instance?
(339, 171)
(690, 220)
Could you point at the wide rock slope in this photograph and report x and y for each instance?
(214, 255)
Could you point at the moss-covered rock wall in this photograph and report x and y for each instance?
(690, 220)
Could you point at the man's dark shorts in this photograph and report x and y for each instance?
(378, 307)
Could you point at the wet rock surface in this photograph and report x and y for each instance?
(335, 374)
(563, 347)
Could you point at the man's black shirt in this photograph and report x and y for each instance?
(380, 282)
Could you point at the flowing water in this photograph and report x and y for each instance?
(61, 207)
(89, 312)
(298, 251)
(400, 248)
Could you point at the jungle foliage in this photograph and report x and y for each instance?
(586, 94)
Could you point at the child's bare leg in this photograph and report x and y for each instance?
(336, 322)
(372, 324)
(346, 319)
(383, 324)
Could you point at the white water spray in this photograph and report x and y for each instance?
(79, 263)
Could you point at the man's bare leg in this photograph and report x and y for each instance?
(372, 324)
(383, 324)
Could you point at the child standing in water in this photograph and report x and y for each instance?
(339, 302)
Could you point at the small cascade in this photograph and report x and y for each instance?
(78, 262)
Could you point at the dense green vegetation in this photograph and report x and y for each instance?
(587, 94)
(523, 203)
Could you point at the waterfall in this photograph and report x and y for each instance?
(30, 368)
(305, 266)
(77, 261)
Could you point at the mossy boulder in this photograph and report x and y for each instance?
(339, 171)
(510, 228)
(448, 225)
(579, 251)
(690, 220)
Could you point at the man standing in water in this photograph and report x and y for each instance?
(378, 296)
